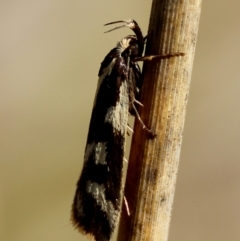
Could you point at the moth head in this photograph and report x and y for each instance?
(132, 24)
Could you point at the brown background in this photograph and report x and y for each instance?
(50, 53)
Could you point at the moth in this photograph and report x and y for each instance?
(98, 197)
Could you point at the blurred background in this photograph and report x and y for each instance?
(50, 53)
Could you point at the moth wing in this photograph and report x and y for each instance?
(96, 205)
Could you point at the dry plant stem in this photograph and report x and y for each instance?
(153, 163)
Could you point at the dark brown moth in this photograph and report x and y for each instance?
(98, 197)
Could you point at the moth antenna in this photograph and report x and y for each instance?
(132, 24)
(122, 26)
(128, 23)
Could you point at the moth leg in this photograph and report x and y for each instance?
(145, 39)
(163, 56)
(125, 159)
(138, 102)
(140, 120)
(126, 205)
(129, 128)
(132, 96)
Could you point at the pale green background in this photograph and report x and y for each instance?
(50, 53)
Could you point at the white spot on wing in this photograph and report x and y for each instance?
(117, 115)
(100, 153)
(98, 193)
